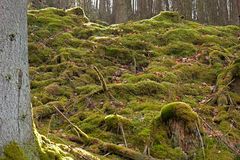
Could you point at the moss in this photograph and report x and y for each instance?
(183, 35)
(209, 30)
(179, 49)
(212, 39)
(88, 89)
(113, 122)
(13, 151)
(178, 111)
(45, 111)
(141, 77)
(42, 83)
(223, 115)
(142, 88)
(53, 89)
(50, 10)
(146, 64)
(218, 151)
(124, 56)
(171, 16)
(50, 151)
(64, 39)
(85, 33)
(191, 72)
(77, 11)
(91, 123)
(165, 151)
(38, 53)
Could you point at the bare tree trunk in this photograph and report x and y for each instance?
(234, 14)
(158, 6)
(167, 5)
(120, 11)
(238, 6)
(15, 105)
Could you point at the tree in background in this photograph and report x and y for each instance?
(217, 12)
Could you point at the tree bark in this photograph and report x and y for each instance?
(120, 11)
(15, 105)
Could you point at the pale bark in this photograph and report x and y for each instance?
(15, 109)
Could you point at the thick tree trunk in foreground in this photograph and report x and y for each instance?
(15, 109)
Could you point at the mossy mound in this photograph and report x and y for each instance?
(182, 125)
(169, 16)
(179, 111)
(114, 121)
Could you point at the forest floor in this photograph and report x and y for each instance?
(117, 84)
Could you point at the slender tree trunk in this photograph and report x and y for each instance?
(223, 12)
(15, 105)
(158, 6)
(238, 6)
(234, 14)
(167, 5)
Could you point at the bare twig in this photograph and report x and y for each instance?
(123, 133)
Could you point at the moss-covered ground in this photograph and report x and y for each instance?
(145, 65)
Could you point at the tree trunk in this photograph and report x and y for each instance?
(15, 105)
(158, 6)
(120, 11)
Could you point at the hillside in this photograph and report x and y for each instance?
(117, 84)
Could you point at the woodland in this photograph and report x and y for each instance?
(125, 80)
(215, 12)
